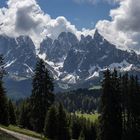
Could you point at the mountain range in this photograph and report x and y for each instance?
(73, 63)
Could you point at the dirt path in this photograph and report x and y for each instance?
(18, 135)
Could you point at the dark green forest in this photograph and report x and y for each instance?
(81, 100)
(55, 116)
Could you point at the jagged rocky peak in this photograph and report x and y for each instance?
(19, 54)
(46, 45)
(86, 39)
(57, 49)
(6, 43)
(71, 61)
(97, 36)
(68, 37)
(25, 42)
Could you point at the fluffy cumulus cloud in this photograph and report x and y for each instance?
(25, 17)
(124, 29)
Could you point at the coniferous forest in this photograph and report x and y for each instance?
(55, 116)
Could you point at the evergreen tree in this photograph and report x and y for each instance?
(82, 135)
(124, 101)
(133, 127)
(12, 116)
(116, 106)
(51, 124)
(76, 126)
(24, 116)
(110, 120)
(63, 125)
(42, 97)
(4, 118)
(136, 110)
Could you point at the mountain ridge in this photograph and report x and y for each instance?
(73, 63)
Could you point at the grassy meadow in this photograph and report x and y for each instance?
(91, 117)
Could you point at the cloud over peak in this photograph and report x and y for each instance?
(124, 28)
(25, 17)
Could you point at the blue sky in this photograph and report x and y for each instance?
(82, 15)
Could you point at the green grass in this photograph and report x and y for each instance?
(95, 88)
(24, 131)
(91, 117)
(5, 136)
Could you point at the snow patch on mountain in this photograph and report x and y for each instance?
(8, 64)
(29, 69)
(71, 78)
(92, 68)
(123, 66)
(94, 75)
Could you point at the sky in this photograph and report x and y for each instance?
(116, 20)
(81, 14)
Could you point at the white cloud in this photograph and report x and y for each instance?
(25, 17)
(124, 29)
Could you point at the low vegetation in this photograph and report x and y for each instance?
(23, 131)
(91, 117)
(5, 136)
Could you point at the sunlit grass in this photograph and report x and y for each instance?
(24, 131)
(4, 136)
(91, 117)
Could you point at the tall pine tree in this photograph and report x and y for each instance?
(12, 115)
(63, 125)
(42, 97)
(51, 124)
(4, 118)
(110, 119)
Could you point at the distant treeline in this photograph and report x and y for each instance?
(83, 100)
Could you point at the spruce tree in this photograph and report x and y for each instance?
(76, 126)
(24, 114)
(124, 101)
(116, 106)
(42, 97)
(110, 119)
(133, 131)
(63, 125)
(136, 110)
(4, 118)
(12, 116)
(51, 124)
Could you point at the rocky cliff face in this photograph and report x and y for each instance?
(73, 63)
(20, 59)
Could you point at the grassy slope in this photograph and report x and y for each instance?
(91, 117)
(24, 131)
(4, 136)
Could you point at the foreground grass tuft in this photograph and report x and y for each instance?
(5, 136)
(25, 132)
